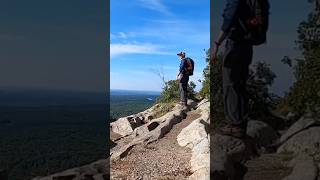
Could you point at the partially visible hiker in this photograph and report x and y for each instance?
(185, 70)
(245, 23)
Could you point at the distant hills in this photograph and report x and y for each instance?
(132, 92)
(127, 102)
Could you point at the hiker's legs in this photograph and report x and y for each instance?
(237, 59)
(183, 86)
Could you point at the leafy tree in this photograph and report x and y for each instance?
(205, 90)
(216, 98)
(304, 95)
(261, 101)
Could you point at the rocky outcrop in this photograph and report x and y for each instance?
(263, 134)
(228, 154)
(151, 131)
(196, 137)
(307, 141)
(297, 154)
(304, 168)
(302, 137)
(94, 171)
(301, 125)
(123, 126)
(126, 125)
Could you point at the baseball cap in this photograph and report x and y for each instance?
(181, 53)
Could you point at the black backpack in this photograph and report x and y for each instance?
(256, 25)
(190, 66)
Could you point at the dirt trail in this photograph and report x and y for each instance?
(163, 159)
(266, 167)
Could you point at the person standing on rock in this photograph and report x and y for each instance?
(185, 70)
(245, 24)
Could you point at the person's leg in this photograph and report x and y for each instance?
(235, 69)
(244, 74)
(185, 90)
(181, 92)
(231, 84)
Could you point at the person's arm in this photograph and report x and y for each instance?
(221, 38)
(182, 66)
(217, 44)
(229, 16)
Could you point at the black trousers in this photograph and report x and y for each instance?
(237, 58)
(183, 87)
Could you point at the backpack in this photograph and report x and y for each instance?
(190, 66)
(256, 25)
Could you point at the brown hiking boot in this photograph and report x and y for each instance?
(232, 130)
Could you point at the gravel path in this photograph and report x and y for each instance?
(163, 159)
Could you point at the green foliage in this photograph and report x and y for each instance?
(216, 98)
(162, 109)
(170, 92)
(261, 101)
(125, 105)
(205, 90)
(304, 95)
(39, 140)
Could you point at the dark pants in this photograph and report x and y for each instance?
(237, 58)
(183, 86)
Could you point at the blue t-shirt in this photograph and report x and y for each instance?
(183, 66)
(230, 14)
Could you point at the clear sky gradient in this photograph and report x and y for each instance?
(53, 45)
(146, 35)
(284, 19)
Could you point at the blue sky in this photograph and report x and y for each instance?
(284, 19)
(53, 45)
(146, 35)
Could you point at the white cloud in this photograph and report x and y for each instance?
(155, 5)
(123, 35)
(120, 36)
(176, 31)
(129, 48)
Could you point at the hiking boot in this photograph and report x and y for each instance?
(232, 130)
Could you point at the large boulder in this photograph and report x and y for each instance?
(221, 167)
(200, 158)
(233, 147)
(201, 174)
(149, 132)
(196, 137)
(262, 133)
(303, 168)
(307, 141)
(227, 153)
(193, 134)
(301, 125)
(122, 126)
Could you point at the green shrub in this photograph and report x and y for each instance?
(304, 96)
(205, 90)
(170, 92)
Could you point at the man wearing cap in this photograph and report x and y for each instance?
(183, 78)
(235, 70)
